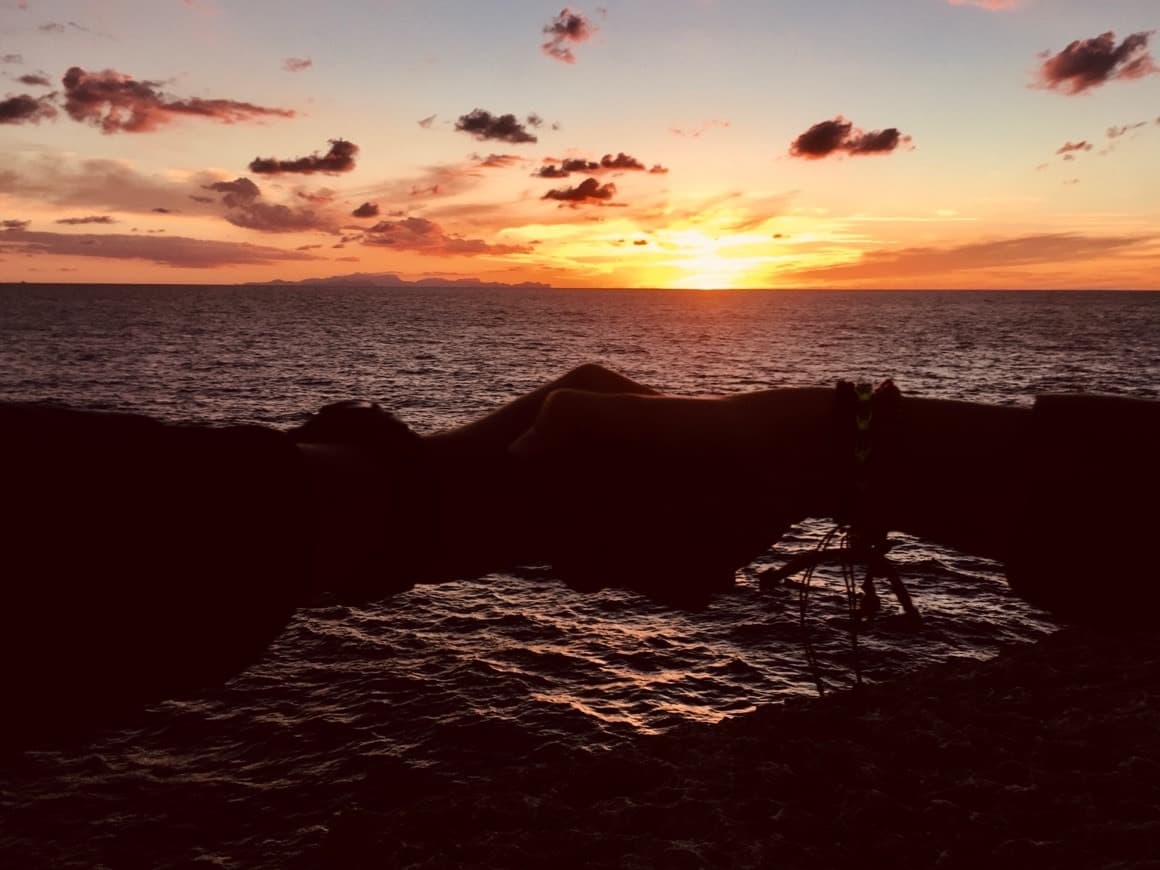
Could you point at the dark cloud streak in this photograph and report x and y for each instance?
(89, 219)
(483, 125)
(839, 136)
(608, 163)
(340, 158)
(26, 109)
(587, 191)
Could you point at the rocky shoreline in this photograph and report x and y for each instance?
(1047, 756)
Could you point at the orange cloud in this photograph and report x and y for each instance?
(1021, 251)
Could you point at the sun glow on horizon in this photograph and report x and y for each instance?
(188, 166)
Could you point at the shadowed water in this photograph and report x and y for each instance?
(372, 706)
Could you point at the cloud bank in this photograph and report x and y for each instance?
(174, 251)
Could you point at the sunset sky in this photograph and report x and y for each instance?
(667, 143)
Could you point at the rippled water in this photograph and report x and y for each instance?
(374, 706)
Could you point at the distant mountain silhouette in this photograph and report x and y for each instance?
(388, 279)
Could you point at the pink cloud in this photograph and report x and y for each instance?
(995, 5)
(118, 103)
(567, 27)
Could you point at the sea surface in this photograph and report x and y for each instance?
(377, 706)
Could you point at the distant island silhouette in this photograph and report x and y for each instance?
(389, 279)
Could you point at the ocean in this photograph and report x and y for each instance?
(377, 706)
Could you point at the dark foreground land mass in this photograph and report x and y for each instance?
(1048, 756)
